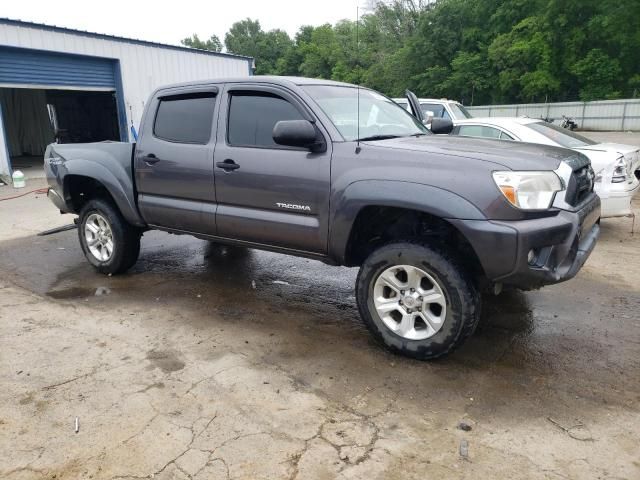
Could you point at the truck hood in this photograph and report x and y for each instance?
(505, 154)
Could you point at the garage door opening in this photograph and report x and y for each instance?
(33, 118)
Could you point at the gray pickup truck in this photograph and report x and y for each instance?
(291, 165)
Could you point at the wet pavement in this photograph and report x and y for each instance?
(214, 362)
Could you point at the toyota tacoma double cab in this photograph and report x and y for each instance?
(344, 175)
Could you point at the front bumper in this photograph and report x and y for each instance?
(561, 245)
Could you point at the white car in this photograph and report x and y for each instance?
(617, 166)
(438, 108)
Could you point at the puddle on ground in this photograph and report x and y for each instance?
(71, 293)
(167, 361)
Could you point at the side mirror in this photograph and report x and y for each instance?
(296, 133)
(441, 126)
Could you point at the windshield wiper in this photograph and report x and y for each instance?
(378, 137)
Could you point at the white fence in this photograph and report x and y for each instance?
(606, 115)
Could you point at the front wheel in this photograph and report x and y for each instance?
(110, 243)
(417, 301)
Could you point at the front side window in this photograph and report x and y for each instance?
(438, 111)
(252, 116)
(479, 131)
(380, 117)
(185, 118)
(562, 136)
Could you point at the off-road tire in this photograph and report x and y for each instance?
(126, 238)
(462, 297)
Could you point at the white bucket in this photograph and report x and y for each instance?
(18, 179)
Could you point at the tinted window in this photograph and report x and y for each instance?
(253, 116)
(479, 131)
(185, 118)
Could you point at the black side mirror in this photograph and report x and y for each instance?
(441, 126)
(297, 133)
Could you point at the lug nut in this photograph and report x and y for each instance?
(401, 292)
(400, 302)
(413, 290)
(409, 310)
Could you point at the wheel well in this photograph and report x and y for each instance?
(79, 189)
(377, 225)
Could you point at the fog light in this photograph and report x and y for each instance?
(531, 257)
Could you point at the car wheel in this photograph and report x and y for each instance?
(110, 243)
(416, 300)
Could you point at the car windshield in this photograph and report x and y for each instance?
(380, 117)
(459, 111)
(562, 136)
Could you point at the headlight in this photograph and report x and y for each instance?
(528, 190)
(621, 170)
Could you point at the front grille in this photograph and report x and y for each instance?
(580, 185)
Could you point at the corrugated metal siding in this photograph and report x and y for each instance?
(21, 66)
(143, 67)
(606, 115)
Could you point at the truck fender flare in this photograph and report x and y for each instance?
(114, 179)
(435, 201)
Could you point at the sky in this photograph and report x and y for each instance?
(170, 22)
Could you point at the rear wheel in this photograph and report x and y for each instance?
(417, 301)
(110, 243)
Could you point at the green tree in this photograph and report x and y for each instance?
(319, 53)
(213, 43)
(477, 51)
(246, 37)
(522, 58)
(597, 75)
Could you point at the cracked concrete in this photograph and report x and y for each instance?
(184, 371)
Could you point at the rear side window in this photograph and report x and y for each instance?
(505, 136)
(479, 131)
(185, 118)
(253, 115)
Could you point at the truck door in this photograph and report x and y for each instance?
(174, 160)
(268, 193)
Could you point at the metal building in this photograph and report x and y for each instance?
(76, 86)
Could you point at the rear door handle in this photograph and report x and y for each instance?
(228, 165)
(150, 159)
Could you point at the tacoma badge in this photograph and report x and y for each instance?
(293, 206)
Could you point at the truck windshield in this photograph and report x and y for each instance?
(380, 117)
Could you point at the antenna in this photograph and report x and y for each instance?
(358, 80)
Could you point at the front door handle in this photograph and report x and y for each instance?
(228, 165)
(150, 159)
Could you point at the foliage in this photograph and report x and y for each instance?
(213, 43)
(477, 51)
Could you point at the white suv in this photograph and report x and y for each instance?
(438, 108)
